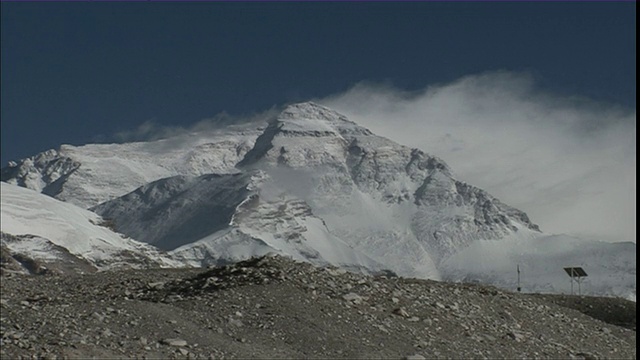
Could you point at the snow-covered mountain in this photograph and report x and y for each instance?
(90, 174)
(47, 230)
(319, 187)
(309, 183)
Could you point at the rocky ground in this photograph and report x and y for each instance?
(272, 307)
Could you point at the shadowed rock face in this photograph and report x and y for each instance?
(272, 307)
(172, 212)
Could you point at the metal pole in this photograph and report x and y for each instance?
(578, 286)
(519, 288)
(571, 281)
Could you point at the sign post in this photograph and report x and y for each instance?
(576, 273)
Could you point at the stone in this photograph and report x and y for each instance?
(400, 312)
(353, 297)
(382, 328)
(156, 285)
(415, 357)
(439, 305)
(336, 271)
(98, 316)
(174, 342)
(515, 336)
(489, 337)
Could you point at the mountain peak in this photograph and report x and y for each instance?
(309, 109)
(309, 117)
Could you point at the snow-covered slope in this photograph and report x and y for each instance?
(90, 174)
(54, 225)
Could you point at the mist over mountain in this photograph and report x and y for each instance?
(315, 186)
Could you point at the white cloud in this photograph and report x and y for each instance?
(570, 163)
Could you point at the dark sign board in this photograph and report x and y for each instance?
(575, 271)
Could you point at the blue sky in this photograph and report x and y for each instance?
(77, 72)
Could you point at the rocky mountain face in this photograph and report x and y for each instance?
(309, 184)
(272, 307)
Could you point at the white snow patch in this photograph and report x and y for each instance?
(26, 212)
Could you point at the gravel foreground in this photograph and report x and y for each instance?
(272, 307)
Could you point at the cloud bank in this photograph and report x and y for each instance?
(569, 162)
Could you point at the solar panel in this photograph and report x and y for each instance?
(575, 271)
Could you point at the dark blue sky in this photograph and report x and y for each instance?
(72, 72)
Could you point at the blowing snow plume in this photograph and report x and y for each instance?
(150, 130)
(570, 163)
